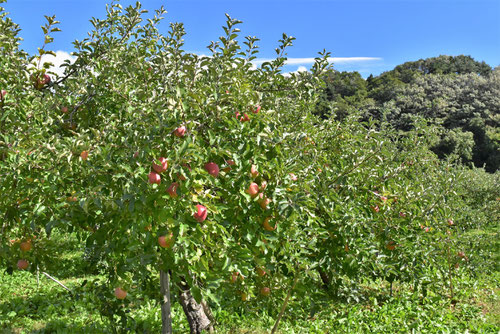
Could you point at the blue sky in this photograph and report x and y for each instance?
(389, 31)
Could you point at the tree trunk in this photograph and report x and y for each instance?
(197, 317)
(166, 315)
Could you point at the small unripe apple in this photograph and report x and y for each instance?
(253, 189)
(265, 291)
(120, 293)
(212, 168)
(84, 155)
(172, 190)
(25, 246)
(166, 241)
(201, 213)
(154, 178)
(261, 272)
(267, 226)
(253, 171)
(180, 131)
(22, 264)
(162, 166)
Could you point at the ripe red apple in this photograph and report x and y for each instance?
(46, 79)
(25, 246)
(263, 201)
(22, 264)
(375, 208)
(120, 293)
(256, 110)
(253, 189)
(450, 222)
(261, 272)
(2, 94)
(244, 118)
(253, 171)
(154, 178)
(64, 110)
(229, 164)
(234, 277)
(427, 229)
(293, 177)
(84, 155)
(267, 226)
(402, 214)
(212, 168)
(180, 131)
(201, 213)
(263, 185)
(166, 241)
(265, 291)
(172, 190)
(162, 166)
(391, 245)
(383, 198)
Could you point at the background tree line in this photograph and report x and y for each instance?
(458, 95)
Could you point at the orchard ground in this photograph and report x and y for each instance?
(28, 307)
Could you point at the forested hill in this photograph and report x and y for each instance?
(459, 95)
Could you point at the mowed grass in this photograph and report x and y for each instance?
(28, 305)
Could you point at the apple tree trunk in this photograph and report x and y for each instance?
(198, 314)
(166, 314)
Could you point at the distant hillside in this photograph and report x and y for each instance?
(459, 94)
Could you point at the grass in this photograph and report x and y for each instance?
(28, 306)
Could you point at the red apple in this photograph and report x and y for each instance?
(244, 118)
(162, 167)
(402, 214)
(84, 155)
(212, 168)
(253, 171)
(450, 222)
(263, 201)
(234, 277)
(293, 177)
(257, 110)
(265, 291)
(120, 293)
(267, 226)
(229, 164)
(166, 241)
(376, 208)
(253, 189)
(22, 264)
(2, 94)
(25, 246)
(172, 190)
(154, 178)
(201, 213)
(46, 79)
(263, 185)
(136, 154)
(180, 131)
(261, 272)
(64, 110)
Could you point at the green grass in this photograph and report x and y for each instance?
(44, 307)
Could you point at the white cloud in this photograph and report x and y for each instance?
(57, 61)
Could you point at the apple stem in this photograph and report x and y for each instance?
(285, 303)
